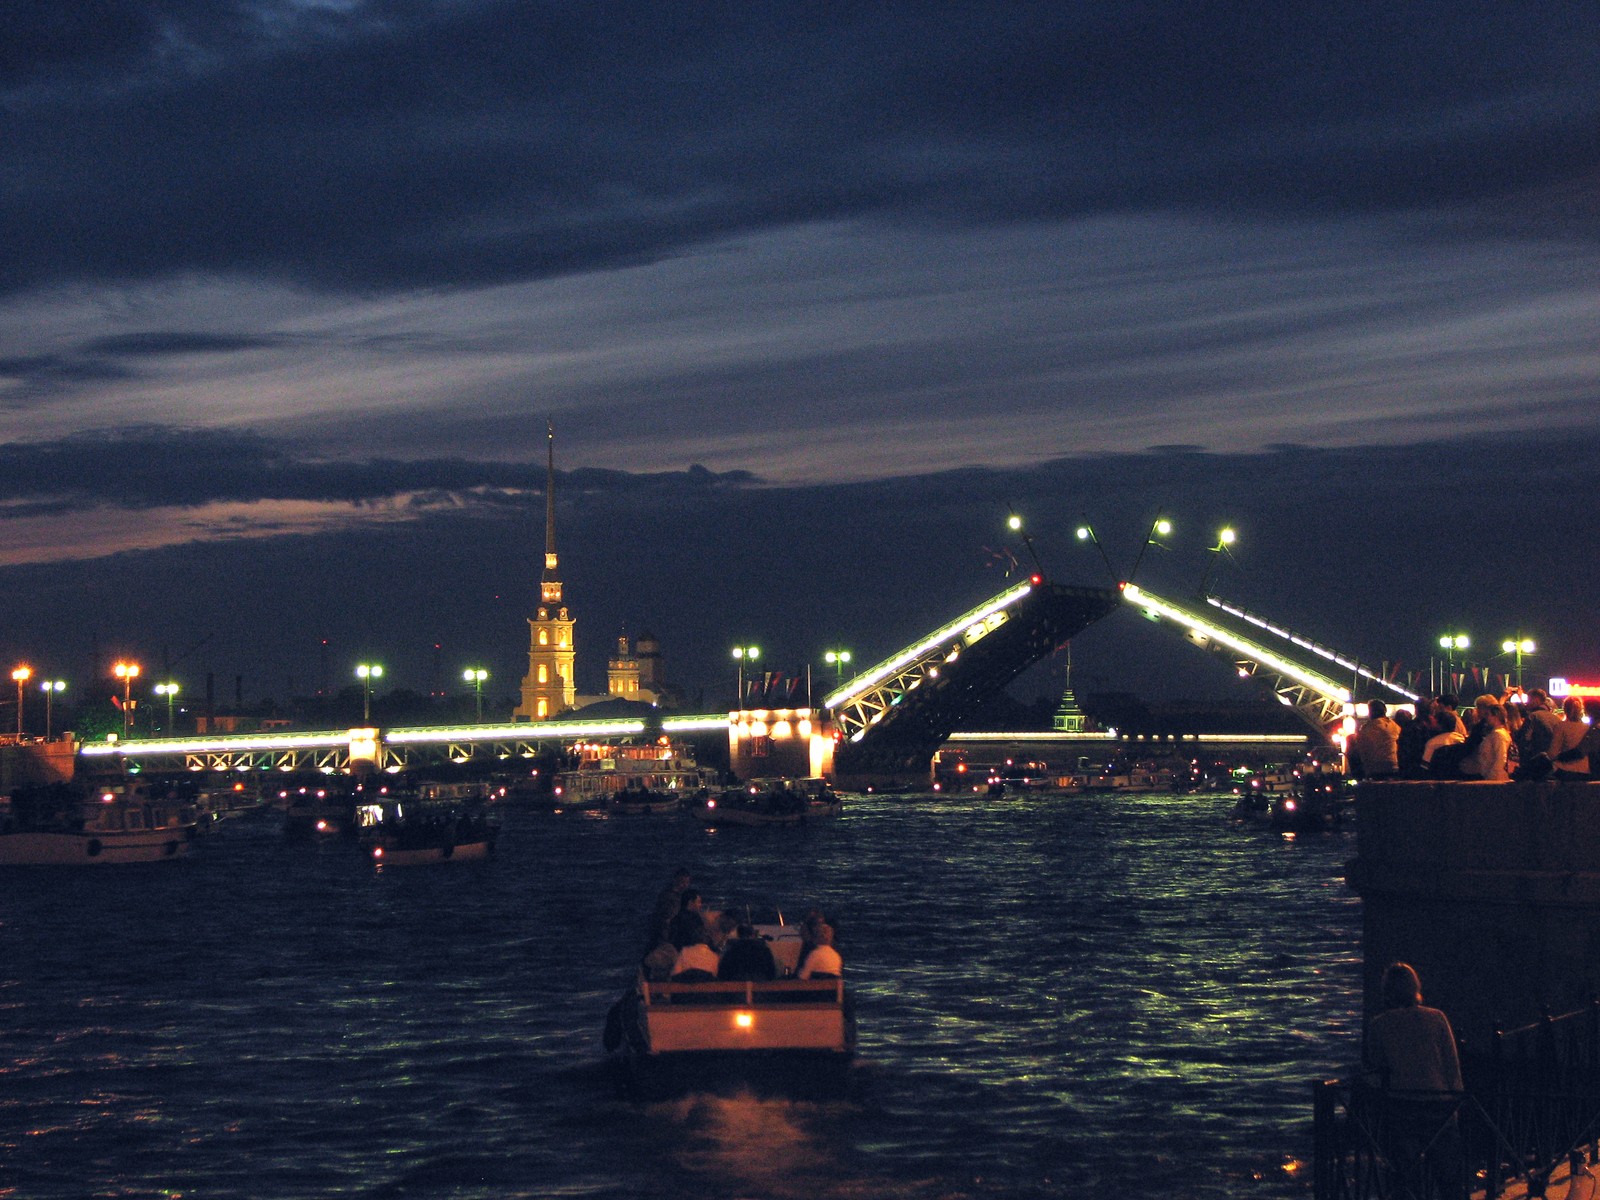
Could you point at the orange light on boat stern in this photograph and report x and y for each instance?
(744, 1020)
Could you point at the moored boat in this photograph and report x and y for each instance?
(65, 824)
(640, 801)
(603, 773)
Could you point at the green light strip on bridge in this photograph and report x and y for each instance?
(883, 670)
(1252, 650)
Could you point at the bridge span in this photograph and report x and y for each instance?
(887, 722)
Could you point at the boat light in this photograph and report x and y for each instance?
(744, 1020)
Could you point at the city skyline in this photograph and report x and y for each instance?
(813, 300)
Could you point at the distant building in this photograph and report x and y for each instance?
(550, 687)
(635, 673)
(1069, 718)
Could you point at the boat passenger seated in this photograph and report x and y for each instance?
(697, 963)
(823, 962)
(747, 956)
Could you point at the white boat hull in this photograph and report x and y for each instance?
(94, 849)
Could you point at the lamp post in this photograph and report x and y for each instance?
(838, 659)
(742, 655)
(1225, 538)
(1450, 643)
(127, 672)
(1518, 646)
(170, 691)
(367, 672)
(21, 675)
(1159, 528)
(1086, 533)
(50, 687)
(1014, 523)
(475, 676)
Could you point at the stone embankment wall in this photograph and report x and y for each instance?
(1491, 890)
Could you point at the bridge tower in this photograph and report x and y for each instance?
(549, 687)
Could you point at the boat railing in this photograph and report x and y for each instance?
(749, 993)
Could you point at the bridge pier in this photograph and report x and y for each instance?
(794, 743)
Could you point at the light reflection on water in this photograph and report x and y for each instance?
(1069, 996)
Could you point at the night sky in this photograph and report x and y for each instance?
(815, 295)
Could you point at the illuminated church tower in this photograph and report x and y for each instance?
(549, 687)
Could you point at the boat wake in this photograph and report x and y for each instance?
(744, 1144)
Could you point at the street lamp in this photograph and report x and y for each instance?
(1014, 523)
(50, 687)
(21, 675)
(1450, 643)
(742, 655)
(1225, 538)
(127, 672)
(1086, 533)
(170, 691)
(1518, 646)
(838, 658)
(367, 672)
(1159, 528)
(475, 676)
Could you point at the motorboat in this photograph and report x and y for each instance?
(770, 802)
(786, 1035)
(414, 833)
(64, 824)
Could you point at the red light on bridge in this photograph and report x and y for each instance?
(1036, 580)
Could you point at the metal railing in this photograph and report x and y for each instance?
(1531, 1105)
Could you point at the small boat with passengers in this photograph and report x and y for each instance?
(770, 802)
(416, 832)
(696, 1031)
(66, 824)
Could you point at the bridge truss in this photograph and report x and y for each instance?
(1318, 698)
(337, 751)
(893, 717)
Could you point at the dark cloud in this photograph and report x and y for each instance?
(152, 466)
(400, 144)
(29, 380)
(158, 343)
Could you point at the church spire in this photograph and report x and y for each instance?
(550, 585)
(549, 687)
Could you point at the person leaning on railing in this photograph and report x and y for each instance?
(1410, 1053)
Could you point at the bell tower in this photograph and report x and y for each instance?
(549, 688)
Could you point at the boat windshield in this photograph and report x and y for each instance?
(748, 910)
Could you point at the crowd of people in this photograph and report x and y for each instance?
(1513, 736)
(688, 943)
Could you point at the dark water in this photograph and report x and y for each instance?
(1057, 997)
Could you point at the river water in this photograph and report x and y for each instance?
(1062, 997)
